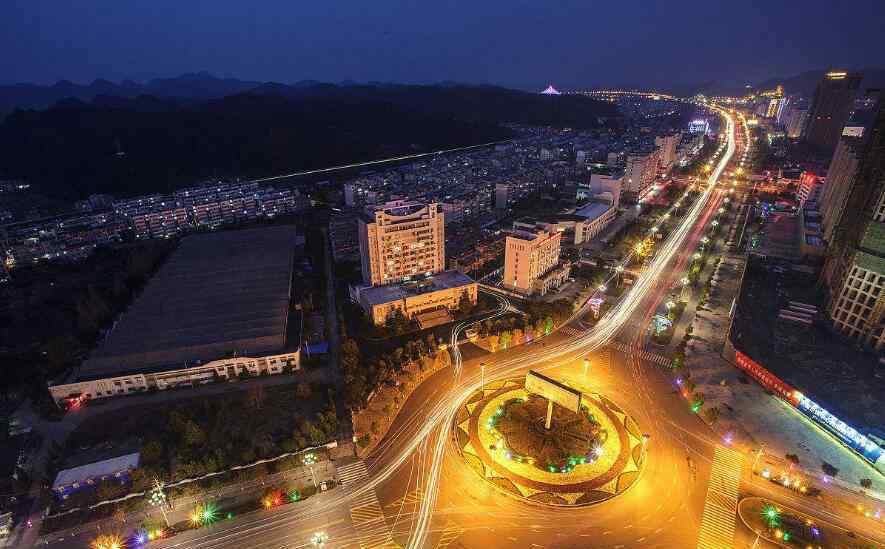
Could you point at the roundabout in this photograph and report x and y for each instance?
(585, 457)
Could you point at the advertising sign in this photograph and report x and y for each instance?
(554, 391)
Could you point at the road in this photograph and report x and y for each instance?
(417, 492)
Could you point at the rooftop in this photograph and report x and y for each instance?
(217, 294)
(95, 470)
(593, 210)
(376, 295)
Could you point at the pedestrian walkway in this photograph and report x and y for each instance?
(450, 533)
(643, 354)
(365, 510)
(412, 498)
(720, 506)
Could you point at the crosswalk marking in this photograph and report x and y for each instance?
(366, 514)
(643, 354)
(720, 506)
(412, 498)
(572, 331)
(451, 532)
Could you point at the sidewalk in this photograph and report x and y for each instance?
(182, 507)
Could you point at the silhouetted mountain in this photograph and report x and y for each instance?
(201, 85)
(71, 148)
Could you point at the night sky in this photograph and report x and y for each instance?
(507, 42)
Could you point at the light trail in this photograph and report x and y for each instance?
(374, 162)
(604, 331)
(436, 421)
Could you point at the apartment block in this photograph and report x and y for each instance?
(401, 240)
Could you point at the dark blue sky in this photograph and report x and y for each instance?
(508, 42)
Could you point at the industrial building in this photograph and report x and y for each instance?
(219, 308)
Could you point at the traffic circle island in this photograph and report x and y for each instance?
(517, 436)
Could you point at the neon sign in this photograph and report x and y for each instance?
(847, 434)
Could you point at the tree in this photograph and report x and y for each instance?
(712, 414)
(465, 305)
(866, 483)
(505, 339)
(493, 343)
(828, 469)
(793, 458)
(375, 428)
(303, 391)
(193, 435)
(431, 344)
(109, 489)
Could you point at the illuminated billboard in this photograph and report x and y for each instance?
(552, 390)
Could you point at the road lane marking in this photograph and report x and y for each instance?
(720, 505)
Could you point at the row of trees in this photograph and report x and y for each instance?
(363, 373)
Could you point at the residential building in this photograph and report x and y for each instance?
(830, 108)
(531, 262)
(639, 175)
(344, 236)
(400, 241)
(666, 145)
(810, 188)
(854, 269)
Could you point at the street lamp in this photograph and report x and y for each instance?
(755, 461)
(586, 366)
(319, 539)
(482, 375)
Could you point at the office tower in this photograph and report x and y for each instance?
(401, 240)
(530, 258)
(795, 121)
(833, 100)
(854, 272)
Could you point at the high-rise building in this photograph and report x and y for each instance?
(639, 174)
(795, 121)
(830, 108)
(842, 172)
(400, 241)
(666, 145)
(854, 271)
(531, 262)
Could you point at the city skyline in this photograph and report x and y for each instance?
(630, 296)
(524, 46)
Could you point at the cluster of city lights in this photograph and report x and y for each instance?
(444, 412)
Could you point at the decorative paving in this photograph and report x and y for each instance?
(584, 459)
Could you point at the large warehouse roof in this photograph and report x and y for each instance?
(218, 294)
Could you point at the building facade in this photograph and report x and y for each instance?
(439, 292)
(854, 270)
(639, 175)
(528, 257)
(830, 108)
(400, 241)
(72, 395)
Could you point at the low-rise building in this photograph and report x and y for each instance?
(436, 292)
(87, 477)
(219, 308)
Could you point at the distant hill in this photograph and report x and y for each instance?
(200, 85)
(136, 143)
